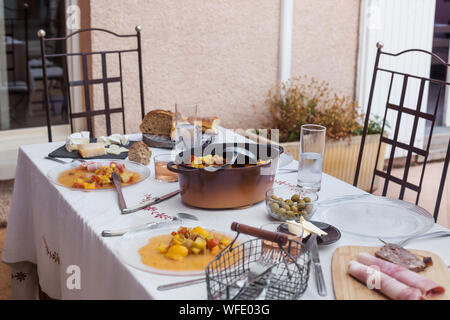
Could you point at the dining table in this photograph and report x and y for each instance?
(55, 233)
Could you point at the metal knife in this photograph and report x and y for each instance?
(118, 186)
(147, 226)
(320, 282)
(150, 202)
(56, 160)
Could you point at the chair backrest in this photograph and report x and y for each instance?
(11, 23)
(85, 82)
(418, 114)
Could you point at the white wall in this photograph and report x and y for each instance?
(400, 25)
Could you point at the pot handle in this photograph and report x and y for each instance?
(171, 167)
(277, 237)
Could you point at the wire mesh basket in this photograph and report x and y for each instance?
(285, 279)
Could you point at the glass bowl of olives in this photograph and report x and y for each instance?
(290, 203)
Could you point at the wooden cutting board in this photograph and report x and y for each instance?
(348, 288)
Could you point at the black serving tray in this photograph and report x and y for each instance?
(62, 152)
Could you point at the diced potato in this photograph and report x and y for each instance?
(177, 239)
(177, 252)
(163, 248)
(89, 185)
(199, 243)
(195, 250)
(125, 177)
(201, 231)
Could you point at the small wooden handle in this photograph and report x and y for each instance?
(277, 237)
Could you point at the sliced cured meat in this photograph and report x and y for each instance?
(91, 167)
(398, 255)
(119, 166)
(385, 284)
(426, 286)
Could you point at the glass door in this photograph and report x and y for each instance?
(24, 106)
(4, 102)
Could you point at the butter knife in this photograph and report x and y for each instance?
(118, 186)
(320, 282)
(150, 202)
(147, 226)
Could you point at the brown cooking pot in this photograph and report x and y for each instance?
(241, 185)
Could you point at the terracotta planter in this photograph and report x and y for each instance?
(341, 157)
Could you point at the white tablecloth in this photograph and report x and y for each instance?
(55, 228)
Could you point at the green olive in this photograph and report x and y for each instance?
(304, 212)
(307, 199)
(309, 208)
(295, 198)
(301, 205)
(282, 211)
(274, 207)
(286, 206)
(294, 209)
(289, 202)
(274, 197)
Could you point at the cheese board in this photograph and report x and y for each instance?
(348, 288)
(62, 152)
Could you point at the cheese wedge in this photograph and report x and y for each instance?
(75, 139)
(90, 150)
(115, 138)
(294, 227)
(115, 149)
(311, 228)
(307, 227)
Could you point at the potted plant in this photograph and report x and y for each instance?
(299, 101)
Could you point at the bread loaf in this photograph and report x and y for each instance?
(140, 152)
(209, 124)
(158, 122)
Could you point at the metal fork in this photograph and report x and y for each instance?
(437, 234)
(259, 269)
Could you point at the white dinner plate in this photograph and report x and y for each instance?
(377, 217)
(143, 171)
(129, 245)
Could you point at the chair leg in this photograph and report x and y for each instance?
(442, 184)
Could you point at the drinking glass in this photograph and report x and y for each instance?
(162, 174)
(187, 133)
(310, 163)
